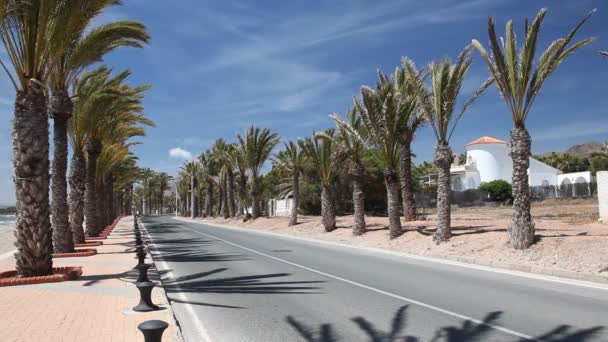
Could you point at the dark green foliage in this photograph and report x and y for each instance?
(565, 162)
(499, 190)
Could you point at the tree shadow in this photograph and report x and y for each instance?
(467, 331)
(254, 284)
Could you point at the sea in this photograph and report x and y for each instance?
(7, 221)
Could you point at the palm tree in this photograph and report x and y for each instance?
(32, 33)
(163, 180)
(322, 151)
(192, 170)
(519, 81)
(257, 144)
(237, 158)
(291, 161)
(413, 119)
(352, 136)
(222, 156)
(385, 126)
(209, 173)
(85, 47)
(103, 105)
(438, 104)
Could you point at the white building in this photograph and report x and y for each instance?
(488, 159)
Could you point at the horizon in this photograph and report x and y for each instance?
(308, 60)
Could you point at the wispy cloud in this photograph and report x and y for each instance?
(572, 130)
(180, 153)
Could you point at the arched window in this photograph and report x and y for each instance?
(581, 187)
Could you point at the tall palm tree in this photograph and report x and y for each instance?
(519, 81)
(413, 119)
(163, 185)
(32, 33)
(237, 158)
(257, 145)
(384, 124)
(209, 173)
(352, 136)
(222, 156)
(322, 151)
(104, 104)
(291, 161)
(85, 46)
(192, 170)
(438, 104)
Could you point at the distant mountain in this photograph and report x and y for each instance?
(584, 149)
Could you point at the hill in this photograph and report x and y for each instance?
(584, 149)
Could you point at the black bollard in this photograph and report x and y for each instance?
(145, 297)
(143, 272)
(153, 330)
(141, 257)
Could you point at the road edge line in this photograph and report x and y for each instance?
(203, 334)
(444, 261)
(371, 288)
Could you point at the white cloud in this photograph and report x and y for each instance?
(180, 153)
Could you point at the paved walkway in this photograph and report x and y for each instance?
(96, 307)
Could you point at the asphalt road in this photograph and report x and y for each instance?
(235, 285)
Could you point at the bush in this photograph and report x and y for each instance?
(499, 190)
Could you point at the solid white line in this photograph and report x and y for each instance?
(8, 254)
(405, 299)
(548, 278)
(203, 334)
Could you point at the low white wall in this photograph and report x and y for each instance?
(602, 194)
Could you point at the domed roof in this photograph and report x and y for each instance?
(486, 140)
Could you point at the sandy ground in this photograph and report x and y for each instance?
(570, 239)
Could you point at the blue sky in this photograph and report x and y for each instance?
(217, 67)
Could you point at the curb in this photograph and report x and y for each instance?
(85, 252)
(60, 274)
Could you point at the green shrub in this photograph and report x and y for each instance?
(499, 190)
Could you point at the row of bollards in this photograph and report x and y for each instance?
(153, 329)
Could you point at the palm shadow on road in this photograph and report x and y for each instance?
(467, 331)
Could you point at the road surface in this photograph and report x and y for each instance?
(234, 285)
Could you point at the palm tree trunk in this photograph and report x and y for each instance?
(522, 230)
(230, 193)
(357, 171)
(443, 160)
(255, 203)
(209, 199)
(328, 208)
(101, 204)
(407, 185)
(60, 108)
(31, 175)
(225, 210)
(242, 193)
(392, 201)
(295, 191)
(93, 149)
(192, 196)
(76, 199)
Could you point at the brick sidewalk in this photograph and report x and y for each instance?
(96, 307)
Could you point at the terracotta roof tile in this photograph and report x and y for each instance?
(486, 140)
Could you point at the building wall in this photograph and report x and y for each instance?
(283, 206)
(602, 194)
(493, 162)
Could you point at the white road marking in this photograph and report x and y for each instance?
(185, 302)
(548, 278)
(405, 299)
